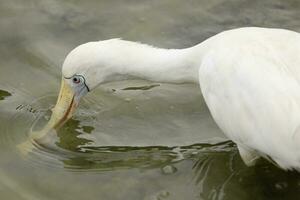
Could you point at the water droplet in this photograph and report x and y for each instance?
(281, 185)
(169, 169)
(127, 99)
(164, 194)
(161, 195)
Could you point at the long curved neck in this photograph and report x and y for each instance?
(155, 64)
(163, 65)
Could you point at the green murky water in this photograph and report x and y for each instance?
(132, 140)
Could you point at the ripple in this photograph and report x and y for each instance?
(72, 148)
(107, 158)
(27, 118)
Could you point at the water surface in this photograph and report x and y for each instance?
(130, 139)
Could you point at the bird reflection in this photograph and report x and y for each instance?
(84, 156)
(68, 135)
(218, 170)
(223, 175)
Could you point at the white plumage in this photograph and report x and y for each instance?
(249, 78)
(250, 82)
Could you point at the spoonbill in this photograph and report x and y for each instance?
(249, 78)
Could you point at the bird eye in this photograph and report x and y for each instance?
(76, 80)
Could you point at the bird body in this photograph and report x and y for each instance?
(249, 78)
(250, 82)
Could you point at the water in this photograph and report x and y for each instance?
(131, 139)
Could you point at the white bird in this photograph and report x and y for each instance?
(249, 78)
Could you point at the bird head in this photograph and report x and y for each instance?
(84, 68)
(91, 64)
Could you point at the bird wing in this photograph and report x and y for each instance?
(253, 94)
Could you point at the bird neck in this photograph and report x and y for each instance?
(134, 60)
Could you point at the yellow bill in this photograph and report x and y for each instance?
(70, 93)
(65, 106)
